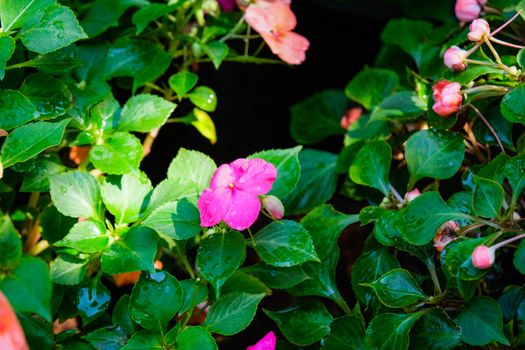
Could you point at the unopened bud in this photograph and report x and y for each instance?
(350, 117)
(479, 29)
(483, 257)
(455, 58)
(274, 206)
(410, 196)
(468, 10)
(447, 97)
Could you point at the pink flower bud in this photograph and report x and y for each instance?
(410, 196)
(479, 29)
(351, 116)
(467, 10)
(483, 257)
(455, 58)
(274, 206)
(268, 342)
(447, 97)
(445, 234)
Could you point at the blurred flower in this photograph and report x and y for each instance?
(127, 278)
(455, 58)
(274, 21)
(68, 324)
(479, 30)
(483, 257)
(410, 196)
(274, 206)
(11, 334)
(445, 234)
(447, 97)
(78, 153)
(233, 195)
(227, 5)
(351, 116)
(468, 10)
(266, 343)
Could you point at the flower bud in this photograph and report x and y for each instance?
(351, 116)
(445, 234)
(467, 10)
(410, 196)
(479, 29)
(274, 206)
(455, 58)
(447, 97)
(483, 257)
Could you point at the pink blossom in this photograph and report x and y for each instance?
(479, 30)
(445, 234)
(455, 58)
(274, 206)
(351, 116)
(266, 343)
(233, 195)
(447, 97)
(468, 10)
(227, 5)
(483, 257)
(410, 196)
(11, 334)
(274, 21)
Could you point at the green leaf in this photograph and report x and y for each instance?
(150, 13)
(178, 220)
(86, 236)
(433, 153)
(435, 331)
(29, 140)
(102, 15)
(7, 47)
(232, 313)
(515, 173)
(216, 51)
(519, 257)
(93, 299)
(318, 116)
(51, 96)
(62, 60)
(284, 243)
(397, 288)
(276, 277)
(14, 13)
(145, 112)
(144, 340)
(183, 82)
(204, 125)
(75, 194)
(410, 35)
(390, 331)
(68, 270)
(124, 196)
(481, 322)
(317, 183)
(510, 300)
(385, 229)
(107, 338)
(371, 85)
(204, 98)
(495, 169)
(55, 226)
(472, 73)
(120, 154)
(28, 287)
(304, 323)
(16, 109)
(170, 190)
(191, 338)
(405, 105)
(325, 224)
(423, 216)
(488, 197)
(346, 333)
(372, 165)
(286, 161)
(219, 256)
(194, 293)
(133, 251)
(243, 282)
(193, 168)
(10, 244)
(513, 105)
(121, 316)
(456, 258)
(367, 268)
(501, 126)
(51, 29)
(155, 300)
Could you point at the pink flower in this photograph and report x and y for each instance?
(447, 97)
(468, 10)
(11, 334)
(233, 195)
(274, 206)
(274, 21)
(227, 5)
(479, 30)
(410, 196)
(266, 343)
(445, 234)
(455, 58)
(351, 116)
(483, 257)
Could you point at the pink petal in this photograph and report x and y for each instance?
(222, 177)
(227, 5)
(11, 334)
(253, 175)
(282, 19)
(266, 343)
(291, 48)
(243, 211)
(258, 18)
(213, 205)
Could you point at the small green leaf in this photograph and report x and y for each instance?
(481, 322)
(515, 173)
(87, 236)
(183, 82)
(304, 323)
(120, 154)
(405, 105)
(243, 282)
(37, 179)
(204, 98)
(7, 47)
(145, 112)
(435, 331)
(372, 165)
(191, 338)
(75, 194)
(51, 96)
(216, 51)
(284, 243)
(390, 331)
(121, 316)
(204, 124)
(144, 339)
(150, 13)
(107, 338)
(346, 333)
(29, 140)
(193, 168)
(276, 277)
(10, 244)
(232, 313)
(194, 293)
(371, 85)
(513, 105)
(488, 197)
(68, 270)
(155, 300)
(16, 109)
(62, 60)
(55, 226)
(170, 190)
(103, 14)
(219, 256)
(178, 220)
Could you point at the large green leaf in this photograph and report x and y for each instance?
(103, 14)
(76, 194)
(405, 105)
(284, 243)
(243, 282)
(304, 323)
(435, 331)
(120, 154)
(513, 105)
(204, 98)
(145, 112)
(10, 244)
(15, 109)
(182, 82)
(51, 96)
(178, 220)
(276, 277)
(488, 197)
(433, 153)
(371, 85)
(372, 165)
(14, 13)
(346, 333)
(29, 140)
(68, 270)
(87, 236)
(7, 47)
(107, 338)
(193, 168)
(144, 340)
(390, 331)
(456, 258)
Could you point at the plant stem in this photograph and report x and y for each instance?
(396, 194)
(505, 242)
(233, 31)
(432, 269)
(185, 262)
(148, 142)
(488, 126)
(504, 43)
